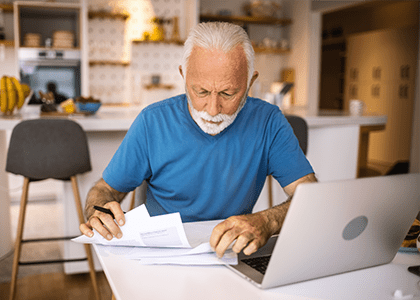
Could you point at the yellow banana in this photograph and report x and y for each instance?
(3, 95)
(26, 89)
(11, 95)
(20, 95)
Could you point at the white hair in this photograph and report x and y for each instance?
(221, 36)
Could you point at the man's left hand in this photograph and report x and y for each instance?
(250, 232)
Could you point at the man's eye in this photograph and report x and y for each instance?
(226, 94)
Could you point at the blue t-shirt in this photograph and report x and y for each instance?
(201, 176)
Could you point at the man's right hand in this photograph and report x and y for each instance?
(104, 223)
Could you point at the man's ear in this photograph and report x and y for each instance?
(180, 71)
(254, 77)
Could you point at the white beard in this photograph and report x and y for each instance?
(200, 117)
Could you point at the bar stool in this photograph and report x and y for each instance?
(41, 149)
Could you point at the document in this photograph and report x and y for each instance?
(162, 239)
(144, 231)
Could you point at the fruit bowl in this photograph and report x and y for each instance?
(88, 107)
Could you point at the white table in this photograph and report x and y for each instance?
(332, 150)
(130, 280)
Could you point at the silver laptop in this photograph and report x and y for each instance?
(336, 227)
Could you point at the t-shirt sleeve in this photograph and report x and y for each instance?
(287, 162)
(130, 164)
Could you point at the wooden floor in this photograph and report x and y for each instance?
(55, 286)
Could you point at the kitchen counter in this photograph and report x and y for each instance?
(336, 118)
(108, 118)
(116, 118)
(333, 147)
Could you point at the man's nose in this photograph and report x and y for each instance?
(214, 105)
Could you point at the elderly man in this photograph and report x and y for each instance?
(206, 153)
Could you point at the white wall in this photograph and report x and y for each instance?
(305, 54)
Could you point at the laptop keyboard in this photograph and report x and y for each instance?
(258, 263)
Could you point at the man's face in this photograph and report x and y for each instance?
(216, 84)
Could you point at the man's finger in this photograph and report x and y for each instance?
(218, 231)
(110, 224)
(251, 248)
(241, 242)
(86, 229)
(226, 240)
(99, 227)
(115, 207)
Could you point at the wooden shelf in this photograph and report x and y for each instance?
(158, 42)
(50, 48)
(159, 86)
(107, 15)
(7, 43)
(108, 62)
(264, 50)
(7, 8)
(247, 20)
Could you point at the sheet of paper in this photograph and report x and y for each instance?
(144, 231)
(230, 258)
(162, 239)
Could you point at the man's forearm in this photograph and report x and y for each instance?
(100, 194)
(275, 216)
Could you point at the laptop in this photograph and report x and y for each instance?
(336, 227)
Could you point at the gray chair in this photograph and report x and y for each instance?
(42, 149)
(300, 129)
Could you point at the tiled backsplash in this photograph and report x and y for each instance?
(110, 40)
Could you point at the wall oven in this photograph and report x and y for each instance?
(40, 67)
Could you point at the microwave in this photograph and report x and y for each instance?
(41, 68)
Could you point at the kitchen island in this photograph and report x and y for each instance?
(333, 147)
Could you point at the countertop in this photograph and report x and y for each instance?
(325, 118)
(119, 118)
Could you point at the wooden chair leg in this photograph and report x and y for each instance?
(270, 191)
(133, 200)
(87, 247)
(18, 242)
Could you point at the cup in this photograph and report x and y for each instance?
(357, 107)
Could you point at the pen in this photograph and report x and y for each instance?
(105, 210)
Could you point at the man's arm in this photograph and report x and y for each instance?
(102, 194)
(252, 231)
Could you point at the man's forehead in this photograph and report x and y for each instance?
(198, 52)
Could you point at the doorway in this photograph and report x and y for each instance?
(369, 52)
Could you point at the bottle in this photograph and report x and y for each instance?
(2, 34)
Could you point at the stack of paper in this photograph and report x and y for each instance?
(162, 240)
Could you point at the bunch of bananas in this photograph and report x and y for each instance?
(12, 94)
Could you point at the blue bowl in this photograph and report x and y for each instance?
(89, 107)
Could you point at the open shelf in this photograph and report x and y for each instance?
(108, 62)
(271, 50)
(247, 20)
(7, 43)
(107, 15)
(158, 42)
(8, 8)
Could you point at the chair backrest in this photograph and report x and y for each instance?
(300, 128)
(48, 148)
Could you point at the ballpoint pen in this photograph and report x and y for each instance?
(105, 210)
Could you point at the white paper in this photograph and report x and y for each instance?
(230, 258)
(141, 230)
(162, 239)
